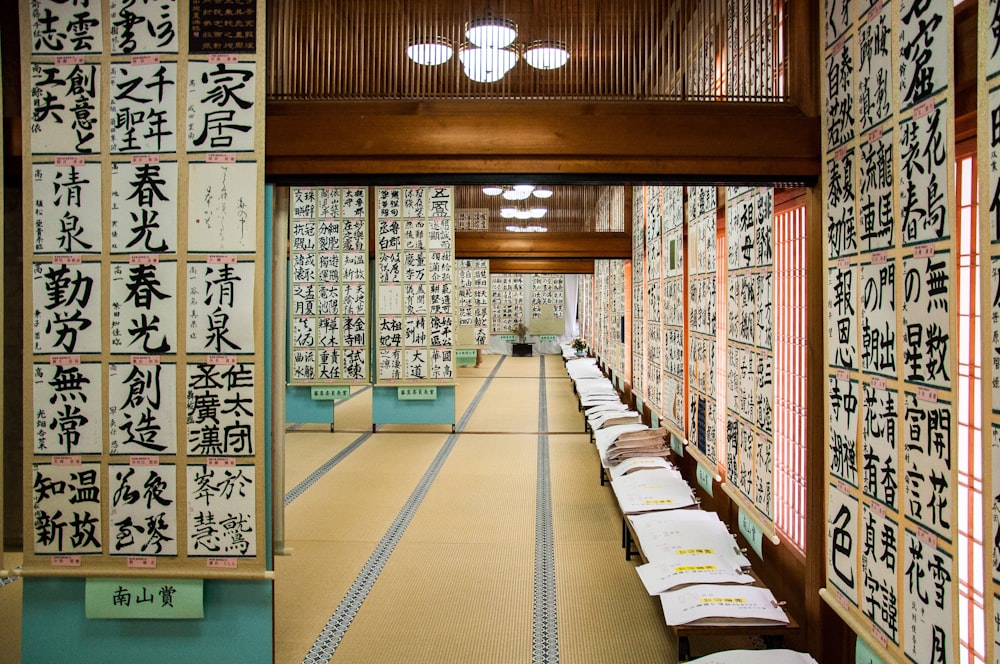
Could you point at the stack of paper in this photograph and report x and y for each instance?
(775, 656)
(683, 567)
(649, 490)
(648, 442)
(662, 533)
(638, 463)
(709, 604)
(611, 418)
(603, 438)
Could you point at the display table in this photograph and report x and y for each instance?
(521, 349)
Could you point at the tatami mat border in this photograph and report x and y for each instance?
(318, 474)
(336, 627)
(545, 630)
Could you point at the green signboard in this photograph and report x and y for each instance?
(750, 530)
(548, 337)
(676, 445)
(417, 393)
(705, 479)
(465, 357)
(165, 599)
(330, 392)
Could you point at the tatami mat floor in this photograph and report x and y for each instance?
(459, 583)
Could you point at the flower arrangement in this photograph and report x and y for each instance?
(520, 330)
(578, 344)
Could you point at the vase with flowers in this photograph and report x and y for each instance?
(520, 348)
(579, 345)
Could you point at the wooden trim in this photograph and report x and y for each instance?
(542, 266)
(542, 245)
(713, 141)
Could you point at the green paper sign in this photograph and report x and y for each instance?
(676, 445)
(465, 357)
(547, 337)
(417, 393)
(749, 530)
(704, 479)
(148, 599)
(507, 337)
(863, 654)
(330, 392)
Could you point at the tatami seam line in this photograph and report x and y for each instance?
(545, 628)
(336, 627)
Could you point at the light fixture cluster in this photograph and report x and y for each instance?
(490, 51)
(519, 194)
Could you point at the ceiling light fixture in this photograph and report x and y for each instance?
(490, 51)
(545, 54)
(430, 51)
(541, 192)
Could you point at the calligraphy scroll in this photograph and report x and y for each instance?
(639, 305)
(673, 378)
(702, 321)
(415, 291)
(508, 301)
(988, 132)
(143, 341)
(547, 304)
(750, 385)
(891, 303)
(473, 324)
(328, 298)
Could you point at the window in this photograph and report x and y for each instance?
(972, 619)
(790, 374)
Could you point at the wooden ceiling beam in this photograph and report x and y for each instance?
(542, 245)
(707, 140)
(542, 266)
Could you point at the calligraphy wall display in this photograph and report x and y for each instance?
(651, 199)
(641, 352)
(472, 219)
(989, 234)
(750, 347)
(415, 284)
(672, 255)
(702, 322)
(888, 210)
(328, 286)
(585, 306)
(143, 330)
(601, 312)
(473, 327)
(610, 334)
(508, 301)
(547, 304)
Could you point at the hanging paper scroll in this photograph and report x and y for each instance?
(652, 210)
(328, 276)
(702, 320)
(989, 235)
(145, 370)
(641, 309)
(508, 301)
(891, 305)
(473, 326)
(750, 346)
(547, 304)
(414, 281)
(672, 401)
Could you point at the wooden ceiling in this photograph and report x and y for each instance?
(619, 49)
(571, 208)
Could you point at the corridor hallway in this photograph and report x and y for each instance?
(493, 544)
